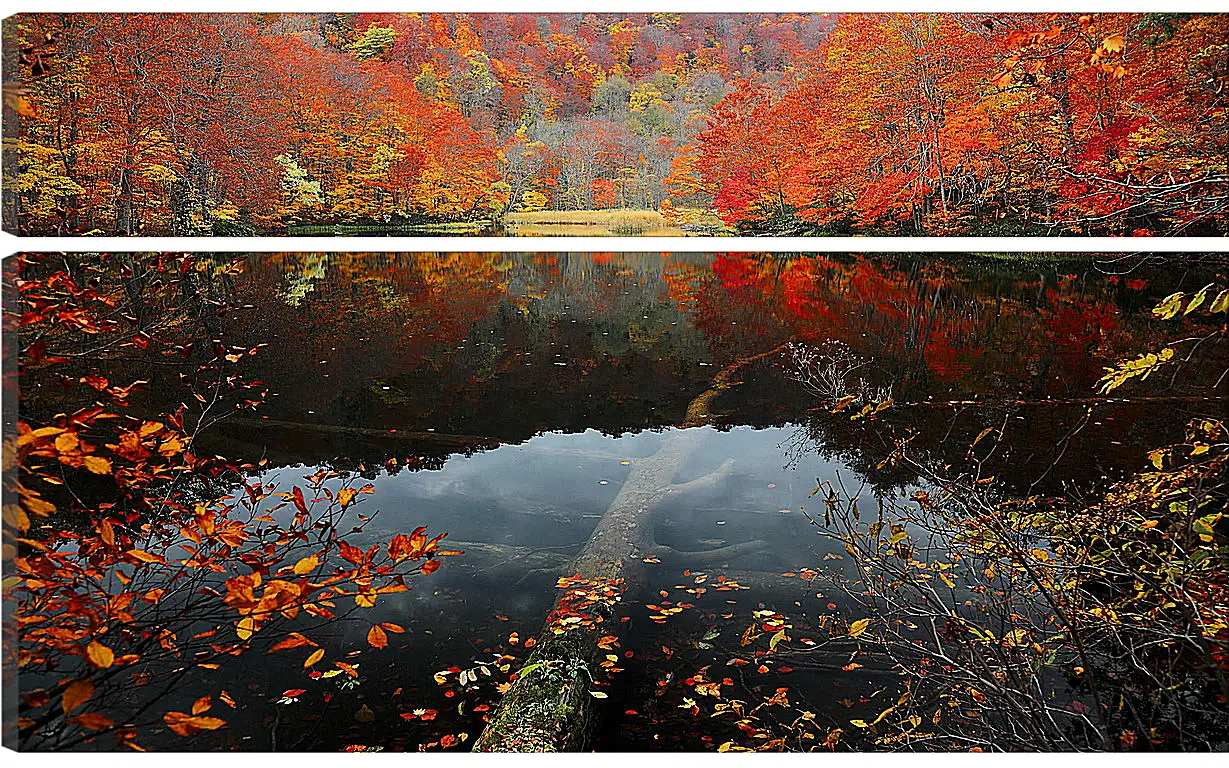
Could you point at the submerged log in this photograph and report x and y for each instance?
(510, 566)
(550, 706)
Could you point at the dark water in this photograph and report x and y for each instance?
(514, 390)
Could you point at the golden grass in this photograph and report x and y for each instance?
(617, 221)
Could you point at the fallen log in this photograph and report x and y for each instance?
(510, 565)
(550, 706)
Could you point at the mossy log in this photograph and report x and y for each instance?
(550, 706)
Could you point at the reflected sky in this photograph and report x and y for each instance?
(505, 398)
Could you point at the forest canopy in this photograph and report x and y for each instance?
(813, 124)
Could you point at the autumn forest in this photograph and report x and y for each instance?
(663, 123)
(951, 496)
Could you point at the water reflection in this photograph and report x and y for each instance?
(548, 493)
(420, 356)
(506, 398)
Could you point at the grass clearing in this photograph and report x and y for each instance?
(614, 221)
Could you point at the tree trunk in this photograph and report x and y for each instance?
(549, 707)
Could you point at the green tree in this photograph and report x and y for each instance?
(374, 42)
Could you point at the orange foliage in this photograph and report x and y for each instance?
(947, 124)
(130, 558)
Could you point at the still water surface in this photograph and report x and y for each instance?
(516, 391)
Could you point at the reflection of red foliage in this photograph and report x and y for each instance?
(416, 307)
(1080, 330)
(926, 324)
(734, 272)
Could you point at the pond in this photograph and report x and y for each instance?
(508, 399)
